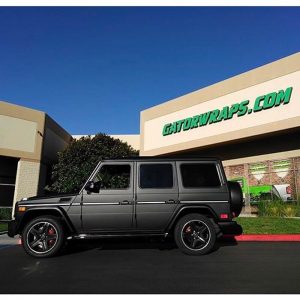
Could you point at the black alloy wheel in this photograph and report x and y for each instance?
(43, 237)
(195, 234)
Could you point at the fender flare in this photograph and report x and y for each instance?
(60, 211)
(175, 215)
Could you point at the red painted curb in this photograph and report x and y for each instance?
(265, 237)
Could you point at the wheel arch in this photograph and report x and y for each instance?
(203, 210)
(45, 211)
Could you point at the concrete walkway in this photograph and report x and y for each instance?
(6, 241)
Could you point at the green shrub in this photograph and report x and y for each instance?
(298, 209)
(5, 213)
(261, 206)
(78, 160)
(289, 210)
(277, 208)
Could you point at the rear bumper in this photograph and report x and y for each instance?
(232, 228)
(12, 228)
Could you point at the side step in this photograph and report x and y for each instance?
(100, 236)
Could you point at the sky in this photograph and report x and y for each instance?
(93, 69)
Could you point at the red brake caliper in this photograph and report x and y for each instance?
(50, 232)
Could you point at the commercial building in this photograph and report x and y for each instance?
(29, 142)
(251, 121)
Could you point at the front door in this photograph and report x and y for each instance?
(110, 207)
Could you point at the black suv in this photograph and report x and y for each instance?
(188, 198)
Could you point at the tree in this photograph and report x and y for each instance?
(79, 159)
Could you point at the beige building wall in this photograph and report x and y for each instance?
(21, 131)
(273, 77)
(17, 134)
(265, 137)
(131, 139)
(27, 179)
(34, 138)
(55, 140)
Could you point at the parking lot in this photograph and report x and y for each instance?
(143, 266)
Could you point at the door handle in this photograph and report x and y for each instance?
(125, 202)
(65, 199)
(170, 201)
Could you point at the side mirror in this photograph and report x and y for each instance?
(91, 187)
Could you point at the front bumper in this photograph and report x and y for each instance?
(230, 228)
(12, 228)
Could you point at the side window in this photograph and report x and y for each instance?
(156, 176)
(198, 175)
(113, 177)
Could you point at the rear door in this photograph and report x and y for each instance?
(203, 183)
(157, 194)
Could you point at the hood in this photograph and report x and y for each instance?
(50, 199)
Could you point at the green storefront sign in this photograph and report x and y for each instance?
(240, 109)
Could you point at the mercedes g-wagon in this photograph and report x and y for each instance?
(187, 198)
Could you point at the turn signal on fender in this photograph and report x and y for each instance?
(21, 208)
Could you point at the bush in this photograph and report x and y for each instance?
(5, 213)
(80, 158)
(298, 209)
(277, 208)
(262, 208)
(289, 211)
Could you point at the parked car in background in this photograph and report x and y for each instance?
(265, 192)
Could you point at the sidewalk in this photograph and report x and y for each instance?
(5, 240)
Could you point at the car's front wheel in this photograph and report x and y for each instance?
(195, 234)
(43, 236)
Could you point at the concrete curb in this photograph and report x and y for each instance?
(3, 232)
(264, 237)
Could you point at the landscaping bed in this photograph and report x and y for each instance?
(3, 227)
(269, 225)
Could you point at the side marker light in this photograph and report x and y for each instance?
(223, 216)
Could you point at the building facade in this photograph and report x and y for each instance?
(251, 121)
(29, 142)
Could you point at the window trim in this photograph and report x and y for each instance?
(116, 164)
(201, 187)
(156, 188)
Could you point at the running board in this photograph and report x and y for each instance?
(97, 236)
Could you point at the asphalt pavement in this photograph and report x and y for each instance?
(142, 266)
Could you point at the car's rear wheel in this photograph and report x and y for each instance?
(43, 237)
(195, 234)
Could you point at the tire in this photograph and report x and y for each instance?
(195, 234)
(43, 237)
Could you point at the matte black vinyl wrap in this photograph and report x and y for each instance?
(232, 228)
(42, 205)
(12, 228)
(134, 209)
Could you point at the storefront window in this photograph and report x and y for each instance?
(277, 180)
